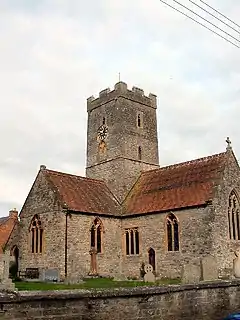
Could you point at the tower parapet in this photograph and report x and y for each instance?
(129, 143)
(121, 90)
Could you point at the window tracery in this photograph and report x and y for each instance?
(172, 233)
(96, 235)
(233, 217)
(132, 241)
(36, 232)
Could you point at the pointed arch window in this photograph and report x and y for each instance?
(132, 241)
(96, 235)
(233, 216)
(36, 235)
(172, 233)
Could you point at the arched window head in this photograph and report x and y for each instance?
(36, 235)
(233, 216)
(172, 232)
(96, 232)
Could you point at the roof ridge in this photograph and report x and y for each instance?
(73, 175)
(197, 160)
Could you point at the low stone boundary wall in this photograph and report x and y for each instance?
(206, 301)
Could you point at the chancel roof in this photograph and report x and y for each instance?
(176, 186)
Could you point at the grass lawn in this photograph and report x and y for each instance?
(89, 284)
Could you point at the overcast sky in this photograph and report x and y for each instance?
(54, 54)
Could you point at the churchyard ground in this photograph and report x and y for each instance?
(89, 284)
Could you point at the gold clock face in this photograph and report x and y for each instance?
(102, 132)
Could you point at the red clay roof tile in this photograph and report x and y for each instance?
(177, 186)
(6, 226)
(83, 194)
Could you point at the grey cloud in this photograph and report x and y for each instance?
(55, 55)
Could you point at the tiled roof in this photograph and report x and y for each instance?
(3, 219)
(177, 186)
(6, 226)
(83, 194)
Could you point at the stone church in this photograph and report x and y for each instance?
(129, 210)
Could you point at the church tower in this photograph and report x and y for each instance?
(122, 137)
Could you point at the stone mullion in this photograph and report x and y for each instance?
(172, 227)
(230, 223)
(95, 237)
(234, 221)
(99, 228)
(125, 240)
(32, 240)
(129, 241)
(237, 223)
(134, 242)
(236, 227)
(39, 235)
(35, 241)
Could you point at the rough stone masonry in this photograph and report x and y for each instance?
(208, 301)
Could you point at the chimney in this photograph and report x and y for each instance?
(13, 214)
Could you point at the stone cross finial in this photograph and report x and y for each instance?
(229, 147)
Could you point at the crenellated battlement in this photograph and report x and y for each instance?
(121, 90)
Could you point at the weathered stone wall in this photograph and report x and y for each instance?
(110, 170)
(195, 240)
(79, 245)
(42, 201)
(223, 246)
(120, 109)
(203, 231)
(212, 301)
(1, 265)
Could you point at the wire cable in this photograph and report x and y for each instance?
(201, 24)
(206, 20)
(213, 16)
(220, 13)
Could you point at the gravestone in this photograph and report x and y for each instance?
(236, 265)
(149, 276)
(209, 268)
(6, 283)
(191, 273)
(50, 275)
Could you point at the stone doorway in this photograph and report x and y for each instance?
(151, 258)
